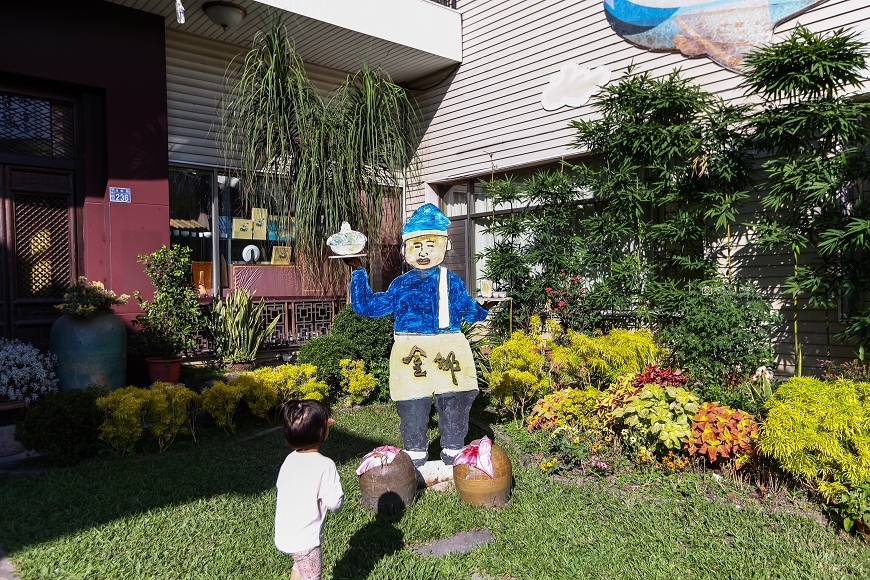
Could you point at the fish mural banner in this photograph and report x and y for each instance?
(724, 30)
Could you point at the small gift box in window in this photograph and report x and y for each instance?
(259, 216)
(281, 255)
(243, 229)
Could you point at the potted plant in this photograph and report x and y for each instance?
(238, 328)
(167, 322)
(25, 375)
(89, 341)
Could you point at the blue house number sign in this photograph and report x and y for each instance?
(120, 194)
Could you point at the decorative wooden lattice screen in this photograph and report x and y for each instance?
(42, 246)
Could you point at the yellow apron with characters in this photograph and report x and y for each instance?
(422, 365)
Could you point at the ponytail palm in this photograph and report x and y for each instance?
(331, 159)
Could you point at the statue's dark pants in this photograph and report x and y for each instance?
(453, 409)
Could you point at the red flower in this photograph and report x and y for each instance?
(575, 278)
(548, 289)
(561, 303)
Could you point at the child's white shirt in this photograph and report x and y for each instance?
(308, 486)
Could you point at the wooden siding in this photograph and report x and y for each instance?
(489, 114)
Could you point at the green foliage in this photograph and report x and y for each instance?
(820, 433)
(356, 383)
(567, 407)
(671, 163)
(720, 331)
(569, 304)
(602, 358)
(171, 409)
(84, 298)
(657, 420)
(854, 506)
(63, 427)
(238, 327)
(124, 412)
(520, 372)
(293, 381)
(720, 432)
(260, 395)
(373, 337)
(221, 401)
(381, 369)
(167, 323)
(310, 153)
(325, 353)
(818, 139)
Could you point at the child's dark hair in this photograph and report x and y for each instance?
(305, 424)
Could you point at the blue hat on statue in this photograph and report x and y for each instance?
(425, 221)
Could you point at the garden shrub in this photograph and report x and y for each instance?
(586, 360)
(63, 427)
(372, 337)
(293, 382)
(221, 401)
(656, 420)
(720, 432)
(381, 370)
(519, 372)
(722, 332)
(260, 395)
(820, 432)
(124, 411)
(570, 407)
(171, 410)
(325, 353)
(26, 374)
(356, 383)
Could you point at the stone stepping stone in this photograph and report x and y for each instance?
(457, 543)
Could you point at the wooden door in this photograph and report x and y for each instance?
(37, 249)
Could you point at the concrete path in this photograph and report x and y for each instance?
(7, 569)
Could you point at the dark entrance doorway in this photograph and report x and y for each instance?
(37, 213)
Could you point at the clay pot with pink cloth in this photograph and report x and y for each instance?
(483, 474)
(387, 480)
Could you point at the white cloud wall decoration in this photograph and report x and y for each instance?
(572, 86)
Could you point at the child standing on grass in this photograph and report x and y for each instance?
(308, 486)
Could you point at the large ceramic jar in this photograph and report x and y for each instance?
(477, 488)
(389, 488)
(89, 350)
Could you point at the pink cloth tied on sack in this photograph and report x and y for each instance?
(479, 454)
(379, 457)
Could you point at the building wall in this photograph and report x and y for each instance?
(488, 116)
(113, 57)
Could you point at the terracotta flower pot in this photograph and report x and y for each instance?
(164, 369)
(477, 488)
(389, 488)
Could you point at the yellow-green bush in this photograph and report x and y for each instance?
(221, 401)
(585, 360)
(261, 396)
(171, 409)
(294, 381)
(820, 432)
(520, 372)
(124, 409)
(355, 381)
(577, 408)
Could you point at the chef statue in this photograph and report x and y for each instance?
(430, 357)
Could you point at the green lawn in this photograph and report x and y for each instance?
(206, 510)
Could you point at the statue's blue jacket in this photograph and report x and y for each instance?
(412, 299)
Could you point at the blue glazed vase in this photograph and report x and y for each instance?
(89, 350)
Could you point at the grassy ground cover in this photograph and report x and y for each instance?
(206, 510)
